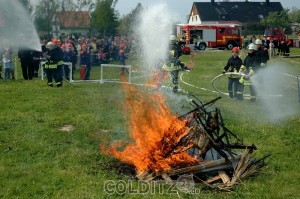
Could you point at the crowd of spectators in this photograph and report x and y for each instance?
(101, 50)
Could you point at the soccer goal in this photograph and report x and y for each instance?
(102, 74)
(105, 67)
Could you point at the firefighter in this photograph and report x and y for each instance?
(173, 64)
(262, 54)
(281, 48)
(85, 63)
(25, 57)
(233, 65)
(246, 72)
(54, 63)
(287, 48)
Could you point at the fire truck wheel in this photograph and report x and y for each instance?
(230, 45)
(201, 46)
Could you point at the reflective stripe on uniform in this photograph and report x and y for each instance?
(51, 66)
(60, 63)
(247, 83)
(170, 67)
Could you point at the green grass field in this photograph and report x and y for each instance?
(38, 160)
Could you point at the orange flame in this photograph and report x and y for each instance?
(157, 78)
(154, 130)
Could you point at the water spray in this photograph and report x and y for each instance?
(16, 27)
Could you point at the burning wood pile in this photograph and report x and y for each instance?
(197, 143)
(213, 145)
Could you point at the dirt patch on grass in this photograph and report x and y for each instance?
(67, 128)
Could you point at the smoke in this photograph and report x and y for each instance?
(153, 33)
(16, 28)
(277, 92)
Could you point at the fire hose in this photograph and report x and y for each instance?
(217, 77)
(233, 73)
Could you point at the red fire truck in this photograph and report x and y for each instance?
(211, 35)
(276, 35)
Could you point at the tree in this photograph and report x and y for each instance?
(78, 5)
(127, 22)
(44, 11)
(277, 19)
(294, 15)
(105, 17)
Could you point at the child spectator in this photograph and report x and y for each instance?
(8, 64)
(272, 48)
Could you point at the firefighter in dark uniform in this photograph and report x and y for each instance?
(281, 48)
(233, 66)
(173, 64)
(54, 64)
(262, 54)
(25, 57)
(287, 49)
(246, 72)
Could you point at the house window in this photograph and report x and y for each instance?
(196, 18)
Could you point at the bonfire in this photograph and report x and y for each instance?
(166, 145)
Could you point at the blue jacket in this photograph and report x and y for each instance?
(85, 59)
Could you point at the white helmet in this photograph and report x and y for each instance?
(50, 45)
(252, 46)
(258, 41)
(172, 37)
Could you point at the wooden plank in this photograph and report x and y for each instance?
(205, 167)
(166, 178)
(224, 177)
(213, 179)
